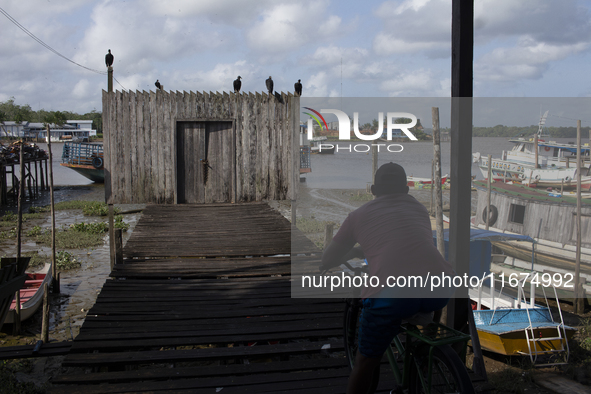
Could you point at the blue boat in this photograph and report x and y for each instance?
(85, 158)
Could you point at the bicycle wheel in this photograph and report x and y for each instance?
(449, 375)
(350, 337)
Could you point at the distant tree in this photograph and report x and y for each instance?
(2, 120)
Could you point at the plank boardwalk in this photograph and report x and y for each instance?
(202, 304)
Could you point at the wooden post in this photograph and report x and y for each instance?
(328, 230)
(561, 186)
(45, 318)
(431, 207)
(576, 304)
(437, 181)
(112, 234)
(462, 73)
(55, 284)
(294, 216)
(488, 190)
(536, 150)
(110, 79)
(374, 163)
(118, 246)
(16, 328)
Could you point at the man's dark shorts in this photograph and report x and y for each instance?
(380, 320)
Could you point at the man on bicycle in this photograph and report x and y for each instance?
(395, 236)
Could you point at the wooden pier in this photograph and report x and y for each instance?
(36, 179)
(202, 304)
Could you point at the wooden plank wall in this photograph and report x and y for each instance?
(558, 219)
(140, 143)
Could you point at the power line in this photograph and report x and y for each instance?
(563, 117)
(17, 24)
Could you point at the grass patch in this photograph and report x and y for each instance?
(9, 382)
(510, 380)
(361, 197)
(8, 234)
(35, 231)
(71, 239)
(89, 208)
(37, 260)
(311, 225)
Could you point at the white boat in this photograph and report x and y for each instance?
(318, 145)
(31, 294)
(556, 163)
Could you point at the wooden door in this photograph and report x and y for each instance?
(205, 162)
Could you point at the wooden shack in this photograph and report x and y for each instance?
(191, 147)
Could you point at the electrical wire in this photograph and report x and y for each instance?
(17, 24)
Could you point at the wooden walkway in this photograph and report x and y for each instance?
(198, 307)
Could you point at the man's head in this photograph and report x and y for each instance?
(390, 179)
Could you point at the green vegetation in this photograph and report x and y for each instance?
(71, 239)
(9, 382)
(66, 261)
(311, 225)
(37, 260)
(89, 208)
(361, 197)
(513, 131)
(36, 230)
(511, 380)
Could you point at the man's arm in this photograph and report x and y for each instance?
(337, 253)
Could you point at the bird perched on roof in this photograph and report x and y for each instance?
(157, 83)
(237, 84)
(298, 87)
(269, 83)
(109, 59)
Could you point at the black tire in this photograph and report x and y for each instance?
(449, 375)
(97, 162)
(492, 218)
(350, 334)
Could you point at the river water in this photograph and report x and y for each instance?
(353, 170)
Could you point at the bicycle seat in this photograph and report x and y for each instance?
(421, 319)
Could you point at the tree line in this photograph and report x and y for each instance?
(9, 111)
(514, 131)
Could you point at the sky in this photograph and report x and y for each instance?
(399, 48)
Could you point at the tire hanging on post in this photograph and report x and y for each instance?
(492, 217)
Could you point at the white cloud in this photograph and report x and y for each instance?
(287, 27)
(415, 83)
(239, 13)
(81, 90)
(527, 60)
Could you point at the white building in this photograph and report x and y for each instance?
(72, 130)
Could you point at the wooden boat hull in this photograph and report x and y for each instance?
(503, 331)
(95, 175)
(514, 343)
(413, 181)
(31, 295)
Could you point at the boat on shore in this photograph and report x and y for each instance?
(31, 294)
(413, 181)
(85, 158)
(317, 146)
(539, 163)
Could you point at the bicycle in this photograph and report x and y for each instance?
(430, 365)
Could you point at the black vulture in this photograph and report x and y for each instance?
(109, 59)
(237, 84)
(269, 83)
(158, 85)
(298, 87)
